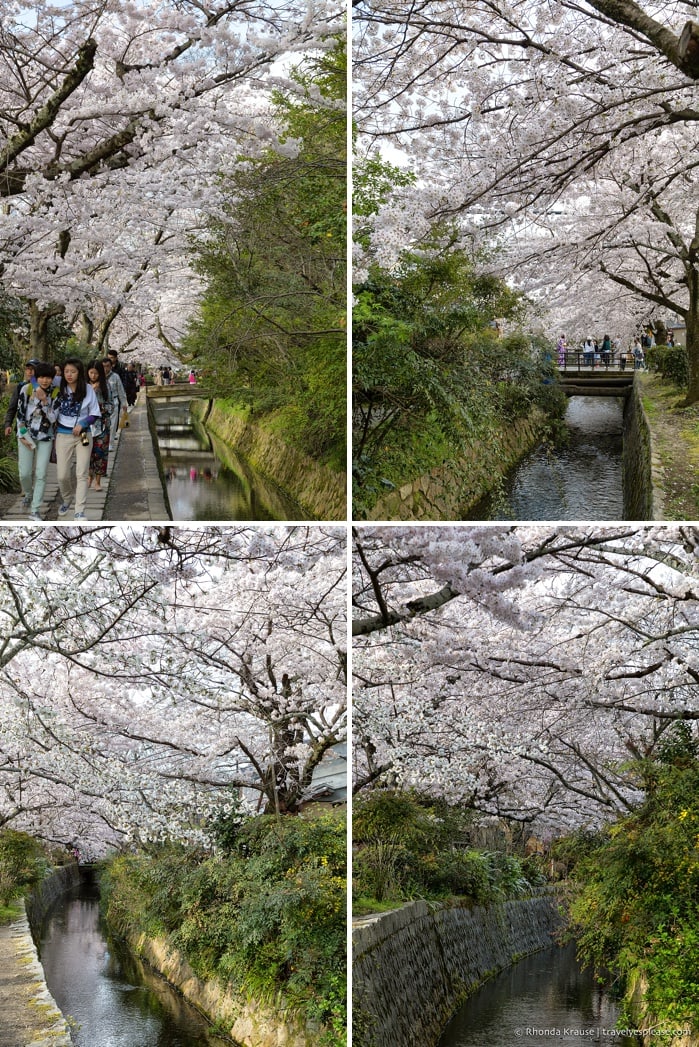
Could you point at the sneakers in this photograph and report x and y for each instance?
(64, 509)
(37, 517)
(78, 516)
(26, 501)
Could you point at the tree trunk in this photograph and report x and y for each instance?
(39, 348)
(692, 344)
(38, 331)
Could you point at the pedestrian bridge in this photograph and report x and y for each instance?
(579, 379)
(181, 390)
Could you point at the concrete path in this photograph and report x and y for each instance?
(29, 1016)
(131, 489)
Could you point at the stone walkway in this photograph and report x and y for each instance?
(29, 1016)
(131, 489)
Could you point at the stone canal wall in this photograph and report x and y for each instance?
(319, 491)
(449, 491)
(46, 893)
(642, 499)
(29, 1014)
(249, 1024)
(412, 968)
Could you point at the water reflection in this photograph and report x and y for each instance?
(114, 1000)
(200, 485)
(544, 999)
(581, 481)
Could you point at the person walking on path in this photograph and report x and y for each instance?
(29, 376)
(101, 429)
(36, 428)
(78, 408)
(119, 402)
(131, 384)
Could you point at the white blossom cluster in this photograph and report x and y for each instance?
(148, 678)
(566, 132)
(116, 156)
(553, 659)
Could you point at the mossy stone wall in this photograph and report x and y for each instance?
(320, 492)
(450, 490)
(412, 968)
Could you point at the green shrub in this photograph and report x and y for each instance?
(409, 846)
(266, 913)
(22, 863)
(670, 362)
(635, 906)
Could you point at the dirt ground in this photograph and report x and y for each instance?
(675, 437)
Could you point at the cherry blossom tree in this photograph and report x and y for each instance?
(118, 123)
(529, 673)
(151, 678)
(567, 132)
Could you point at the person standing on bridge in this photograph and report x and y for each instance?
(119, 402)
(562, 348)
(637, 353)
(78, 408)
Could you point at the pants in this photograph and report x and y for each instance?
(114, 423)
(29, 461)
(69, 447)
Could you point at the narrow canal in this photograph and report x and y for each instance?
(113, 999)
(200, 486)
(544, 1000)
(581, 480)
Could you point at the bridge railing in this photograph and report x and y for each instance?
(579, 361)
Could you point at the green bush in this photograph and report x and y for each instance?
(266, 914)
(670, 362)
(22, 863)
(463, 873)
(410, 846)
(635, 906)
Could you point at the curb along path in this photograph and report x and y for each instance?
(135, 494)
(29, 1016)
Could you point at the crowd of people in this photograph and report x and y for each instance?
(591, 353)
(70, 414)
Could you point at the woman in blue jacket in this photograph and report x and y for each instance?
(77, 410)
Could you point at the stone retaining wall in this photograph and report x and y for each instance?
(52, 1029)
(248, 1023)
(412, 968)
(449, 491)
(320, 492)
(42, 898)
(642, 500)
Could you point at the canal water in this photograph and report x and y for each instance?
(545, 1000)
(113, 999)
(200, 486)
(581, 480)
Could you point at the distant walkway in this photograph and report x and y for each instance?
(131, 490)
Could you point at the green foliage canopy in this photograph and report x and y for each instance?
(272, 326)
(431, 374)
